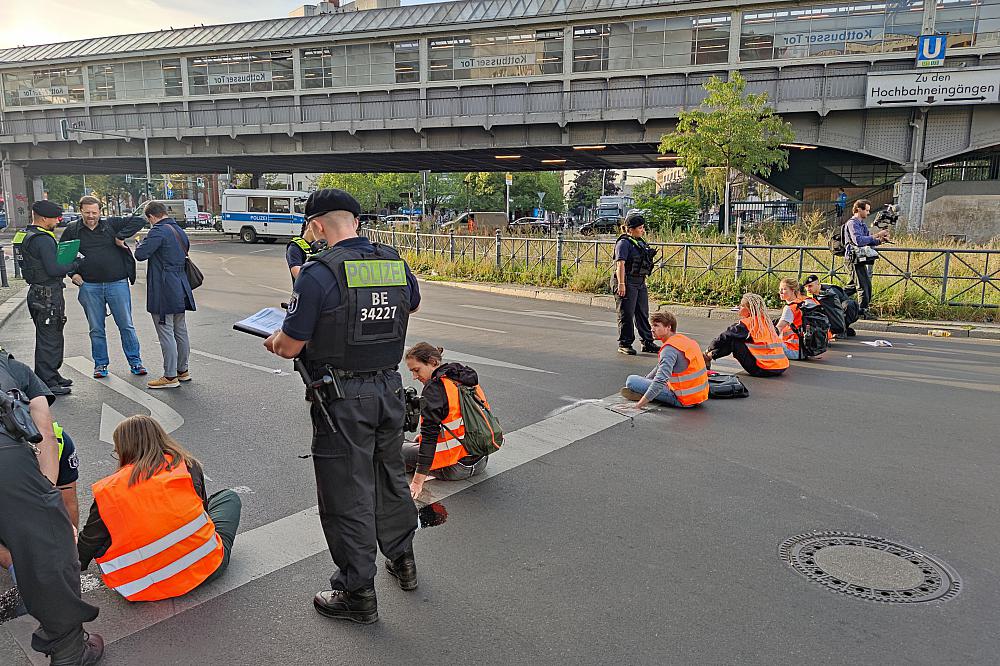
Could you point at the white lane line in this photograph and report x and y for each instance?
(451, 323)
(482, 360)
(259, 251)
(244, 364)
(543, 314)
(284, 542)
(168, 418)
(286, 292)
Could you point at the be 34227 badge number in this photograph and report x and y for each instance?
(380, 310)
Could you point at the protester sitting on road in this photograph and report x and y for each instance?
(680, 378)
(753, 341)
(439, 451)
(791, 316)
(157, 496)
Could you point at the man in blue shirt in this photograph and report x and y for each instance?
(346, 326)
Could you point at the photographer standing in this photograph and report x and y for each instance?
(36, 528)
(440, 449)
(347, 323)
(860, 254)
(633, 264)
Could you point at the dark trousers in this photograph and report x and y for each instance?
(35, 527)
(224, 509)
(634, 308)
(48, 312)
(724, 346)
(861, 281)
(364, 498)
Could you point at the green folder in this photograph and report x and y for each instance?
(67, 252)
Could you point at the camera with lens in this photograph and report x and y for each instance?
(16, 417)
(412, 403)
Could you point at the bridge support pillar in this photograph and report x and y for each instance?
(912, 197)
(37, 189)
(15, 190)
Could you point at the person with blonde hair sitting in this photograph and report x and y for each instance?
(790, 320)
(753, 341)
(152, 529)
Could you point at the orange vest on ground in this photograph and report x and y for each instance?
(768, 353)
(163, 544)
(789, 336)
(449, 444)
(690, 386)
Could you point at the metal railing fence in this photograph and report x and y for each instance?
(948, 276)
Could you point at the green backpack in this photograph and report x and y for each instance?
(483, 433)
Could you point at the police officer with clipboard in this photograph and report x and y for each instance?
(346, 327)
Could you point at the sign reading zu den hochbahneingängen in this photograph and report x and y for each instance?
(979, 85)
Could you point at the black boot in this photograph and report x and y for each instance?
(404, 568)
(650, 348)
(359, 606)
(85, 651)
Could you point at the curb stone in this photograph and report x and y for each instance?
(957, 330)
(10, 306)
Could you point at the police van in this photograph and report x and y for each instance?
(265, 215)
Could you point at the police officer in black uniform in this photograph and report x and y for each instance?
(35, 250)
(36, 528)
(346, 325)
(301, 249)
(633, 264)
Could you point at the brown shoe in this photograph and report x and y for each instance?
(184, 376)
(163, 383)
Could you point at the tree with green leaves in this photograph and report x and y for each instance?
(734, 130)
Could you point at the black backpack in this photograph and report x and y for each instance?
(812, 334)
(833, 308)
(721, 385)
(837, 246)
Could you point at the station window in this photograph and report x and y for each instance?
(257, 204)
(406, 61)
(256, 71)
(54, 85)
(651, 43)
(988, 24)
(135, 80)
(830, 30)
(350, 65)
(495, 55)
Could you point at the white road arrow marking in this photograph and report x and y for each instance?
(162, 412)
(110, 418)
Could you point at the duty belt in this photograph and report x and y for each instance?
(348, 374)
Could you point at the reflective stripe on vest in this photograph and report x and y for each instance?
(303, 245)
(58, 432)
(691, 385)
(163, 544)
(769, 354)
(449, 448)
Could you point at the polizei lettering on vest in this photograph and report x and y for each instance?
(375, 273)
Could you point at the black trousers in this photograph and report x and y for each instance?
(861, 280)
(724, 346)
(634, 308)
(48, 312)
(364, 497)
(35, 527)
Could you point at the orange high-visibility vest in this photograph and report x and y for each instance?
(449, 444)
(768, 353)
(163, 544)
(690, 386)
(789, 336)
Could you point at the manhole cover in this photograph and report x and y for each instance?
(870, 568)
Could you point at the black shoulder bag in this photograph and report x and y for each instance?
(194, 275)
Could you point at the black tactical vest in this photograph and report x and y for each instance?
(367, 331)
(642, 265)
(32, 269)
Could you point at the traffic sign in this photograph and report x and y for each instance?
(979, 85)
(510, 179)
(930, 50)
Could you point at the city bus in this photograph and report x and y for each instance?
(265, 215)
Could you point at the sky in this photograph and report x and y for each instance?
(29, 22)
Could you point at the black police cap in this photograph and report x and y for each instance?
(810, 280)
(635, 220)
(328, 200)
(47, 208)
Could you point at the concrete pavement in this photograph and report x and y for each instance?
(651, 540)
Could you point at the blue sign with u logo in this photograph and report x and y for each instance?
(930, 50)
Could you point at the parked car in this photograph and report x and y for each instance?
(369, 219)
(204, 219)
(477, 222)
(529, 225)
(69, 217)
(401, 221)
(602, 225)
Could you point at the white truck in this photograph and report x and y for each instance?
(265, 215)
(614, 206)
(184, 211)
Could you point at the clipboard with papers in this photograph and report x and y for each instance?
(262, 323)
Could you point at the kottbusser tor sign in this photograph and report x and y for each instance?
(979, 85)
